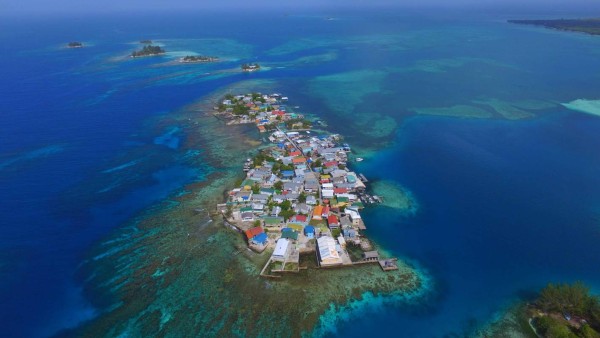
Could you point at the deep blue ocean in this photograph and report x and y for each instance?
(504, 206)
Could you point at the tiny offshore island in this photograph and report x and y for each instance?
(148, 50)
(299, 197)
(561, 310)
(248, 67)
(198, 59)
(75, 44)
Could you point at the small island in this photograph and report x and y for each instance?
(75, 44)
(146, 42)
(148, 50)
(588, 26)
(198, 59)
(564, 310)
(248, 67)
(298, 197)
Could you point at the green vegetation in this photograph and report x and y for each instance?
(551, 327)
(257, 223)
(257, 97)
(574, 299)
(335, 233)
(298, 124)
(278, 185)
(276, 266)
(241, 109)
(354, 251)
(279, 166)
(560, 302)
(286, 210)
(260, 158)
(148, 50)
(589, 26)
(286, 214)
(291, 266)
(270, 126)
(228, 211)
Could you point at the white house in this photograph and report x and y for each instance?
(327, 193)
(354, 215)
(281, 248)
(327, 252)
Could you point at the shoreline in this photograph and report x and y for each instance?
(192, 257)
(318, 192)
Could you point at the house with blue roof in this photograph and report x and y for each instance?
(260, 239)
(309, 231)
(349, 233)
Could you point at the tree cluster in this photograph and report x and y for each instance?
(249, 66)
(568, 299)
(148, 50)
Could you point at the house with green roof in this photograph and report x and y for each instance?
(288, 233)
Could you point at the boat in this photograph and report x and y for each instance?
(359, 159)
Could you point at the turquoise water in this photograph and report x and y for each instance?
(507, 197)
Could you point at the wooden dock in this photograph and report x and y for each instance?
(388, 264)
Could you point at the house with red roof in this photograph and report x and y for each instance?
(299, 219)
(332, 222)
(340, 190)
(325, 212)
(250, 233)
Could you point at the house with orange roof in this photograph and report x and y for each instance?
(318, 212)
(250, 233)
(299, 160)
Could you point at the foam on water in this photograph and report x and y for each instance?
(121, 167)
(43, 152)
(585, 106)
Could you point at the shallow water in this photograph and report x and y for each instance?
(92, 139)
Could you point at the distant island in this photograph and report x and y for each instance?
(588, 26)
(75, 44)
(564, 310)
(146, 42)
(148, 50)
(198, 59)
(248, 67)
